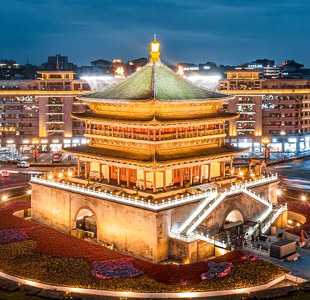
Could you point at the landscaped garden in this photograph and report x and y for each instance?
(36, 252)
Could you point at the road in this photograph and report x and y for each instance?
(15, 179)
(47, 158)
(294, 175)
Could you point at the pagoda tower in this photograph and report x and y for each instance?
(154, 131)
(157, 180)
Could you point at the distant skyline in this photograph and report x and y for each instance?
(223, 31)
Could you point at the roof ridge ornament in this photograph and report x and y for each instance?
(154, 50)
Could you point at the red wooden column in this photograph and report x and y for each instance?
(118, 175)
(164, 180)
(209, 172)
(87, 165)
(231, 165)
(191, 175)
(222, 168)
(182, 177)
(79, 168)
(109, 174)
(200, 174)
(100, 172)
(127, 176)
(144, 180)
(154, 181)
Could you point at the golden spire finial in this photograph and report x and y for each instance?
(155, 47)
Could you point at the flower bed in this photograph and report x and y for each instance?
(56, 258)
(250, 257)
(115, 269)
(14, 235)
(217, 270)
(18, 205)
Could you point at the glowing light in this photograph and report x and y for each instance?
(70, 173)
(180, 71)
(282, 132)
(278, 192)
(241, 173)
(35, 141)
(155, 47)
(298, 224)
(265, 141)
(154, 50)
(50, 176)
(138, 69)
(290, 221)
(119, 72)
(303, 198)
(29, 192)
(97, 78)
(252, 175)
(60, 175)
(4, 198)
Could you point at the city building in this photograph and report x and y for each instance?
(58, 62)
(156, 179)
(10, 70)
(273, 108)
(40, 109)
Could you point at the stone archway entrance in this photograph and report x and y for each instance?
(234, 218)
(86, 220)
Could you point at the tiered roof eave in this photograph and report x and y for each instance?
(154, 119)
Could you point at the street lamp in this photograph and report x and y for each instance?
(265, 142)
(35, 142)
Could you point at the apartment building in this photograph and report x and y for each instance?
(41, 109)
(275, 108)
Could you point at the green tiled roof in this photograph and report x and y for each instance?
(154, 81)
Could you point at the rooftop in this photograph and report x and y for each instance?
(154, 81)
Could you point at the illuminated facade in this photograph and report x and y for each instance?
(156, 179)
(41, 109)
(276, 108)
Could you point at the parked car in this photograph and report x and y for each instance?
(4, 173)
(23, 164)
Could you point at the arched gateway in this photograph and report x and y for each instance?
(86, 220)
(156, 166)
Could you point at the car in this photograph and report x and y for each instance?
(4, 173)
(56, 157)
(23, 164)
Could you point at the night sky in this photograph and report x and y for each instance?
(223, 31)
